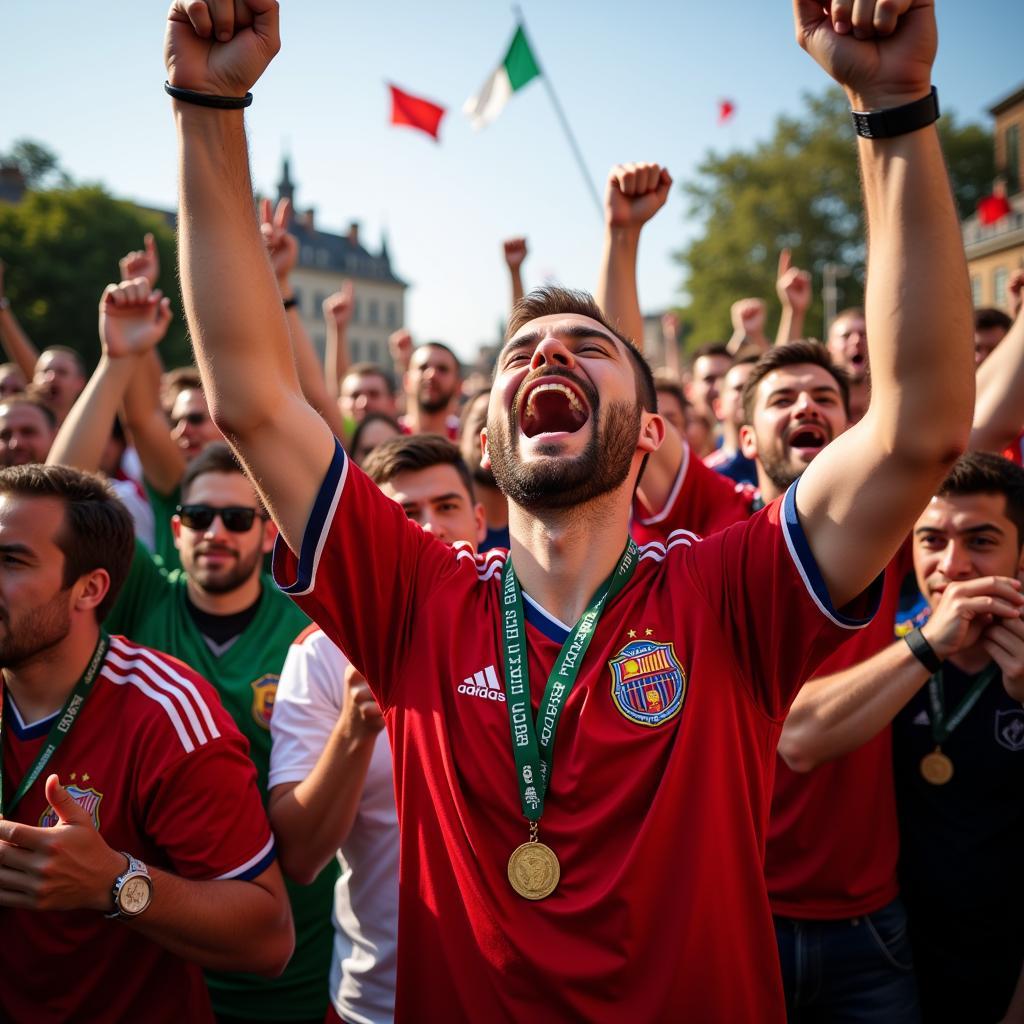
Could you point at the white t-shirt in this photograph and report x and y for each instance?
(309, 698)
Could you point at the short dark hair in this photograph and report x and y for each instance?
(369, 419)
(552, 300)
(985, 473)
(857, 311)
(173, 382)
(410, 453)
(97, 532)
(372, 370)
(33, 400)
(66, 350)
(710, 348)
(666, 386)
(793, 353)
(216, 457)
(444, 348)
(988, 317)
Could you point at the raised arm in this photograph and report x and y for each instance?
(337, 310)
(515, 253)
(748, 319)
(633, 195)
(859, 498)
(133, 318)
(999, 407)
(793, 287)
(234, 311)
(14, 340)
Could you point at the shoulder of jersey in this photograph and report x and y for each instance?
(678, 540)
(160, 687)
(308, 635)
(488, 565)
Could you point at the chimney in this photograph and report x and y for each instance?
(307, 219)
(353, 232)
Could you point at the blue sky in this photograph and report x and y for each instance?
(639, 82)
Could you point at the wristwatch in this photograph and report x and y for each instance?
(132, 890)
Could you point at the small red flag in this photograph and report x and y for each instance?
(415, 112)
(726, 108)
(993, 209)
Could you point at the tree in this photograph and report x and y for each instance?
(61, 249)
(799, 190)
(39, 166)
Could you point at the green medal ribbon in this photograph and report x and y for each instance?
(942, 727)
(58, 731)
(533, 742)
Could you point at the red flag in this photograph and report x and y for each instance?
(993, 209)
(415, 112)
(726, 108)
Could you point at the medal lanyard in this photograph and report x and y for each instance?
(533, 742)
(58, 731)
(942, 727)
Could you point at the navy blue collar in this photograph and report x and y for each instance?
(13, 719)
(551, 627)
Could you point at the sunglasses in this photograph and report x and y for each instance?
(193, 419)
(200, 517)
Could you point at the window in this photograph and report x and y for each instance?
(976, 290)
(371, 351)
(323, 257)
(1012, 160)
(393, 315)
(356, 349)
(306, 255)
(356, 311)
(999, 296)
(373, 313)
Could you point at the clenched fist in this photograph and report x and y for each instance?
(133, 318)
(634, 194)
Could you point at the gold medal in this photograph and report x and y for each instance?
(533, 870)
(936, 768)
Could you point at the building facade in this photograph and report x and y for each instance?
(325, 260)
(995, 251)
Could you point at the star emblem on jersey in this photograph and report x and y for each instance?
(648, 683)
(89, 799)
(264, 690)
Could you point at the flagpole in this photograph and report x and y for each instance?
(573, 145)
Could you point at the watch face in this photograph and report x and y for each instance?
(134, 896)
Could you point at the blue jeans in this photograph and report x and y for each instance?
(853, 970)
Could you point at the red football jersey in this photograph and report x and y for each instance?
(701, 501)
(165, 774)
(661, 773)
(1015, 452)
(833, 838)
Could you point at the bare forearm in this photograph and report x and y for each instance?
(163, 462)
(311, 376)
(999, 407)
(616, 284)
(336, 359)
(312, 819)
(836, 714)
(791, 325)
(16, 343)
(516, 280)
(86, 430)
(225, 925)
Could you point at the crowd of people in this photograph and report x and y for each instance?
(288, 646)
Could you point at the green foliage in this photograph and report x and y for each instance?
(61, 249)
(799, 189)
(39, 165)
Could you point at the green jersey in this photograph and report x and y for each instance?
(152, 611)
(164, 507)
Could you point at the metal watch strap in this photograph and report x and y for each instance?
(923, 651)
(885, 124)
(135, 867)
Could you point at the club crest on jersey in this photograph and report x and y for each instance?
(264, 690)
(648, 683)
(87, 799)
(1010, 729)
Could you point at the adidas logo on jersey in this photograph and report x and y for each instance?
(484, 684)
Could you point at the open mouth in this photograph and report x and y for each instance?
(808, 439)
(552, 407)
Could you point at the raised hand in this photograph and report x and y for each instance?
(282, 246)
(792, 285)
(360, 708)
(133, 318)
(515, 252)
(1014, 292)
(338, 307)
(220, 47)
(400, 345)
(880, 51)
(66, 867)
(634, 194)
(141, 262)
(748, 317)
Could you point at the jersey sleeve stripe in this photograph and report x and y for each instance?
(170, 679)
(179, 726)
(318, 527)
(677, 486)
(807, 567)
(253, 866)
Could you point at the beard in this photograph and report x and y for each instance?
(432, 404)
(223, 580)
(554, 484)
(779, 469)
(35, 632)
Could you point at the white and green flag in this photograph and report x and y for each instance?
(516, 69)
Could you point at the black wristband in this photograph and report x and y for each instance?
(205, 99)
(291, 303)
(923, 651)
(884, 124)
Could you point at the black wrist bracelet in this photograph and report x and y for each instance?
(205, 99)
(923, 651)
(291, 303)
(884, 124)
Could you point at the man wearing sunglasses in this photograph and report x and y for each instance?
(221, 616)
